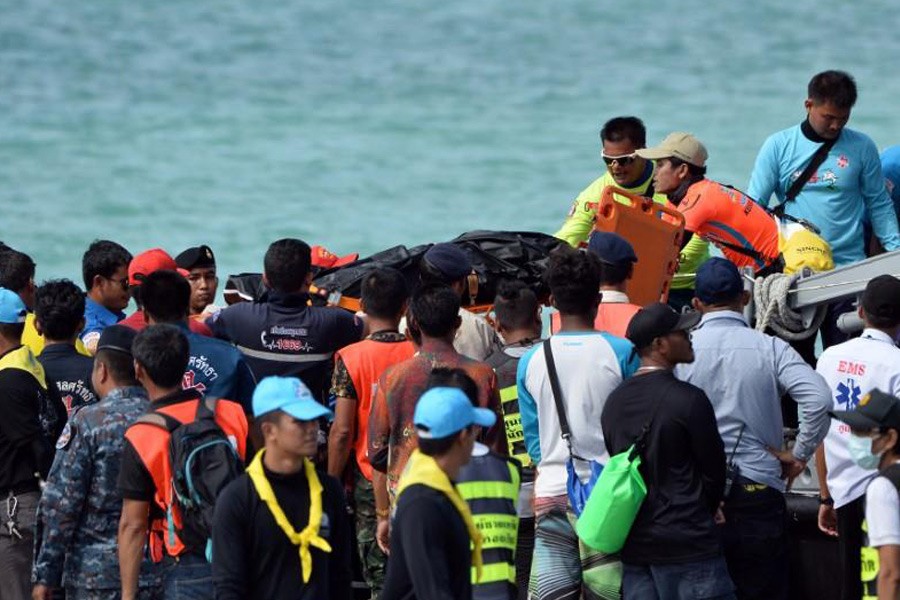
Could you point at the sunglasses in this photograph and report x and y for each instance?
(623, 161)
(122, 282)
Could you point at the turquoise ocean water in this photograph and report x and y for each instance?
(360, 125)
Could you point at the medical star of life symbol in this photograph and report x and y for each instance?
(187, 382)
(848, 394)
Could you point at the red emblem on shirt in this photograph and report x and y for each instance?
(843, 161)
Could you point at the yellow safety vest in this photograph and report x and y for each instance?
(512, 419)
(490, 486)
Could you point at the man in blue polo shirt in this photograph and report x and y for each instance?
(215, 367)
(282, 334)
(105, 270)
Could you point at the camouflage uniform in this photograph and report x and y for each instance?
(78, 515)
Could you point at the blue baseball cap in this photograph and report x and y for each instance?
(12, 309)
(718, 280)
(450, 260)
(290, 395)
(443, 411)
(611, 248)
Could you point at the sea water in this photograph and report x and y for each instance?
(361, 125)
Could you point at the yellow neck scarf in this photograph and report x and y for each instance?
(310, 534)
(423, 470)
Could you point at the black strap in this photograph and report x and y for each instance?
(206, 409)
(640, 442)
(651, 189)
(557, 398)
(814, 163)
(736, 444)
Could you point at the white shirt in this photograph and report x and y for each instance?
(852, 370)
(883, 513)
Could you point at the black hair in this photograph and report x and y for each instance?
(103, 258)
(163, 351)
(383, 293)
(614, 274)
(515, 305)
(619, 129)
(286, 264)
(833, 87)
(435, 309)
(119, 364)
(16, 269)
(59, 308)
(12, 331)
(696, 173)
(453, 378)
(574, 280)
(879, 322)
(166, 296)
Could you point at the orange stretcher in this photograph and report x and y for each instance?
(654, 230)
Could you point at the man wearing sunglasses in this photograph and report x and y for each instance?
(105, 270)
(621, 138)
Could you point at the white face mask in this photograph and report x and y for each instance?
(861, 451)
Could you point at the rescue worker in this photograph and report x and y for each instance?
(215, 368)
(161, 354)
(875, 444)
(435, 545)
(489, 483)
(200, 264)
(517, 313)
(384, 296)
(104, 268)
(283, 505)
(59, 316)
(26, 450)
(620, 138)
(745, 233)
(617, 260)
(80, 505)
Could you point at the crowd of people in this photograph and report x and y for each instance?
(283, 449)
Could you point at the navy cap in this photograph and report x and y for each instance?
(718, 280)
(656, 321)
(118, 338)
(611, 248)
(450, 260)
(288, 394)
(198, 257)
(876, 410)
(443, 411)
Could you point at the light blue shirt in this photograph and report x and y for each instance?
(744, 373)
(845, 189)
(890, 166)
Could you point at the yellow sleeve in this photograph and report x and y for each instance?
(578, 225)
(35, 341)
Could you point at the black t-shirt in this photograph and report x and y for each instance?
(683, 467)
(430, 557)
(252, 556)
(24, 448)
(283, 336)
(71, 372)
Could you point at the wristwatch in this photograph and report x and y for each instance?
(826, 501)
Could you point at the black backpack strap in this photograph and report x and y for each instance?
(640, 442)
(814, 163)
(892, 474)
(651, 189)
(557, 398)
(206, 408)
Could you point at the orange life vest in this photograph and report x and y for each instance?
(152, 446)
(366, 361)
(612, 317)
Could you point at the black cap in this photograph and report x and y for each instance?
(449, 260)
(611, 248)
(118, 338)
(881, 298)
(875, 410)
(198, 257)
(656, 321)
(718, 280)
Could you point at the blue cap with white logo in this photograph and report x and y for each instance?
(443, 411)
(12, 309)
(290, 395)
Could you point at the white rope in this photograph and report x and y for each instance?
(770, 294)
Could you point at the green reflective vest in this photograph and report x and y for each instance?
(490, 485)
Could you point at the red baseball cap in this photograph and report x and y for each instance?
(155, 259)
(324, 259)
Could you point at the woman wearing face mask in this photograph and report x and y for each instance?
(875, 443)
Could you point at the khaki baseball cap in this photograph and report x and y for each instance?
(680, 145)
